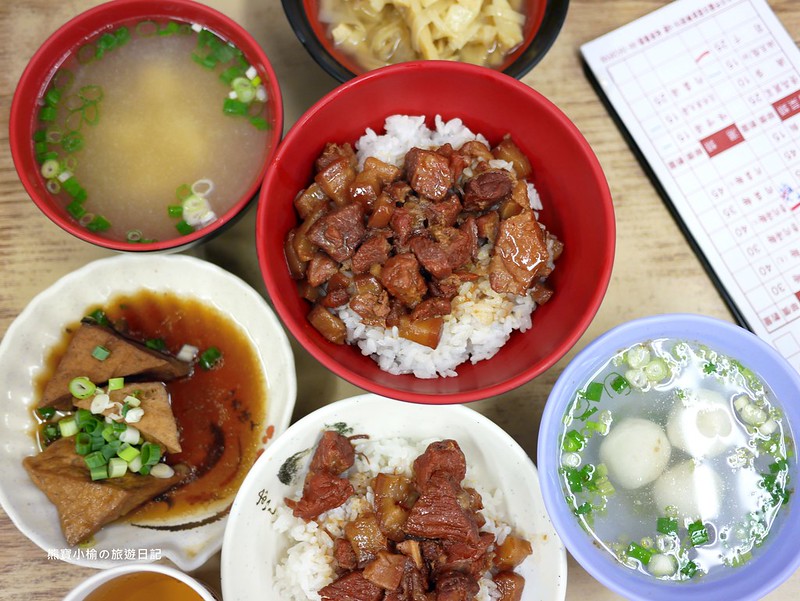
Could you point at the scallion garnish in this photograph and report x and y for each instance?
(690, 569)
(637, 551)
(83, 443)
(98, 224)
(95, 459)
(100, 353)
(128, 452)
(183, 227)
(175, 211)
(594, 391)
(99, 472)
(115, 383)
(698, 534)
(573, 441)
(117, 467)
(99, 317)
(620, 383)
(157, 344)
(667, 525)
(45, 412)
(82, 387)
(151, 453)
(210, 357)
(67, 427)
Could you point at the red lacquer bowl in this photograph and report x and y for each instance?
(568, 177)
(75, 33)
(542, 26)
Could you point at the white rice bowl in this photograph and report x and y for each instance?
(269, 554)
(482, 320)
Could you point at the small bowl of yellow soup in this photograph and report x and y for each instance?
(140, 582)
(145, 126)
(668, 462)
(347, 38)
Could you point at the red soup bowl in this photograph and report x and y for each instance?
(543, 21)
(577, 209)
(99, 34)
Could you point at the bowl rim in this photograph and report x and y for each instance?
(355, 405)
(90, 584)
(554, 15)
(21, 120)
(705, 329)
(266, 265)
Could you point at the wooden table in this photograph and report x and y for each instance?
(655, 269)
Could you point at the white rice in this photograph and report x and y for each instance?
(307, 565)
(482, 320)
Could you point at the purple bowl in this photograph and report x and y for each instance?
(773, 562)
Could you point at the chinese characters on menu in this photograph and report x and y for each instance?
(709, 91)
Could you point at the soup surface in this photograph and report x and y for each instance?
(143, 586)
(676, 459)
(375, 34)
(141, 137)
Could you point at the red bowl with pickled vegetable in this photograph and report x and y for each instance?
(576, 208)
(529, 37)
(145, 126)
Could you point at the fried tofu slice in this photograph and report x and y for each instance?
(85, 506)
(126, 357)
(158, 423)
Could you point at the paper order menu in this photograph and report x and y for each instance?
(709, 93)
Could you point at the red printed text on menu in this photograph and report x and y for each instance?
(709, 91)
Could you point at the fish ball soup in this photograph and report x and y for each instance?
(152, 130)
(675, 459)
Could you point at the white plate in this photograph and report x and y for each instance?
(23, 353)
(251, 547)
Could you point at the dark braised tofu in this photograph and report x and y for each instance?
(158, 423)
(85, 506)
(125, 358)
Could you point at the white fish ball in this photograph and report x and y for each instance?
(636, 452)
(661, 565)
(702, 425)
(694, 490)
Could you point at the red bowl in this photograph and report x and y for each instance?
(542, 26)
(567, 175)
(71, 36)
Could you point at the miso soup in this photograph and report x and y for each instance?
(152, 130)
(676, 459)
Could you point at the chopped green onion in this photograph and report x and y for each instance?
(594, 391)
(76, 209)
(574, 480)
(128, 452)
(183, 227)
(40, 135)
(162, 470)
(99, 317)
(231, 106)
(175, 210)
(170, 28)
(573, 441)
(144, 470)
(619, 384)
(157, 344)
(690, 569)
(637, 356)
(46, 412)
(108, 433)
(667, 525)
(93, 426)
(117, 467)
(51, 433)
(210, 357)
(99, 472)
(587, 414)
(67, 427)
(583, 508)
(95, 459)
(100, 353)
(698, 535)
(260, 123)
(637, 551)
(72, 142)
(231, 73)
(48, 114)
(83, 443)
(50, 169)
(123, 35)
(151, 453)
(98, 224)
(656, 370)
(82, 416)
(107, 41)
(82, 387)
(115, 383)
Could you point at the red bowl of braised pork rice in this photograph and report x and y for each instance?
(391, 475)
(435, 232)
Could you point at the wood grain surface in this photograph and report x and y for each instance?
(655, 270)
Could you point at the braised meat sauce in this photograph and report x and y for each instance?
(395, 244)
(421, 538)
